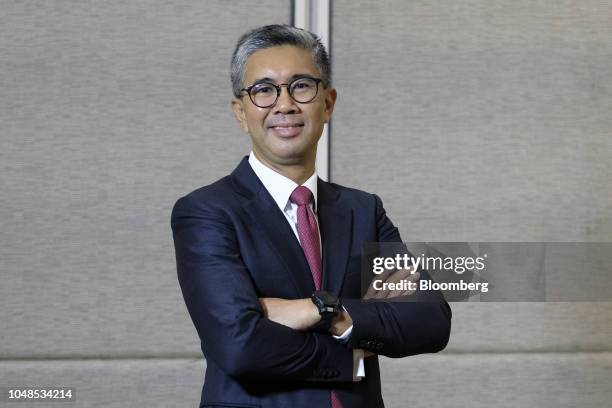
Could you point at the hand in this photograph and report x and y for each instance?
(340, 323)
(367, 354)
(299, 314)
(392, 276)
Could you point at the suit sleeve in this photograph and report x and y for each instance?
(225, 309)
(399, 329)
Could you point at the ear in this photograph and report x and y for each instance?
(330, 101)
(240, 114)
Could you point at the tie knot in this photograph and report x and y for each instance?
(301, 196)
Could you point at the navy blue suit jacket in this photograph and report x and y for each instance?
(233, 245)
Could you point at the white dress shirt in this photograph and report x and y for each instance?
(280, 188)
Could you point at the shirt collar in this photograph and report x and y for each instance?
(279, 186)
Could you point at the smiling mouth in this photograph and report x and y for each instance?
(286, 126)
(287, 130)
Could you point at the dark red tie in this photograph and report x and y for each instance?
(308, 232)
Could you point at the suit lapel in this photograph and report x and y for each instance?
(272, 228)
(335, 224)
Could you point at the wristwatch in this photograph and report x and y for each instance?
(329, 307)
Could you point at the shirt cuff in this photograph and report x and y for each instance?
(358, 367)
(345, 337)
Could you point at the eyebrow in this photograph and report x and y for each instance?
(294, 77)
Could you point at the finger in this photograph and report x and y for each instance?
(380, 293)
(402, 291)
(399, 275)
(390, 276)
(372, 293)
(414, 277)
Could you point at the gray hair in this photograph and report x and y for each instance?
(272, 36)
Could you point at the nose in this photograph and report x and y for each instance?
(285, 103)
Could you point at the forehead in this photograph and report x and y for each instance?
(279, 63)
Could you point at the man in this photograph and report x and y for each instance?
(268, 258)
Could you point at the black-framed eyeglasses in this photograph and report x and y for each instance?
(265, 94)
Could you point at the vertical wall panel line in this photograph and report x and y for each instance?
(314, 16)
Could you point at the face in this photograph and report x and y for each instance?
(287, 132)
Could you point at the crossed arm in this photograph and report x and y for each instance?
(267, 337)
(301, 314)
(229, 318)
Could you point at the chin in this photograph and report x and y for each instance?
(297, 147)
(291, 155)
